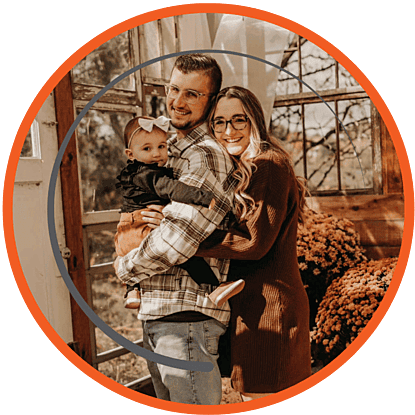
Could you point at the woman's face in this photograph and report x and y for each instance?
(237, 140)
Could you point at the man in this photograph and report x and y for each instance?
(179, 320)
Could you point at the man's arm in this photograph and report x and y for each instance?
(184, 227)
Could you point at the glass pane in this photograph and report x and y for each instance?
(286, 126)
(355, 116)
(101, 151)
(27, 149)
(155, 101)
(169, 44)
(292, 40)
(318, 68)
(155, 106)
(345, 79)
(101, 246)
(150, 49)
(105, 63)
(286, 83)
(321, 147)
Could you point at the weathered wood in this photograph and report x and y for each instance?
(105, 106)
(392, 177)
(112, 96)
(104, 216)
(311, 97)
(143, 385)
(377, 149)
(99, 269)
(360, 208)
(116, 352)
(72, 215)
(378, 252)
(380, 232)
(155, 81)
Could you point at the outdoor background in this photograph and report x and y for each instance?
(37, 370)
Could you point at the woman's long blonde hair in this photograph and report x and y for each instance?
(260, 141)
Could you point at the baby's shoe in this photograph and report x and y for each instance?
(225, 291)
(133, 299)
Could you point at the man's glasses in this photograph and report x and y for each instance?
(238, 122)
(189, 95)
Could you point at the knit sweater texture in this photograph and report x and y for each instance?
(269, 330)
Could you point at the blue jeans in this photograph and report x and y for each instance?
(196, 341)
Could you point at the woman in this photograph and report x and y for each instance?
(269, 330)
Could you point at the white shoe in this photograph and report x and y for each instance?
(225, 291)
(133, 300)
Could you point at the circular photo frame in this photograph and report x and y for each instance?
(29, 124)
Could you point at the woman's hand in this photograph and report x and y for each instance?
(154, 216)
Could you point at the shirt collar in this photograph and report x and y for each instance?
(178, 145)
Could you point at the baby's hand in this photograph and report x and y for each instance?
(212, 204)
(154, 216)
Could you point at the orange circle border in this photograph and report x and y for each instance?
(160, 14)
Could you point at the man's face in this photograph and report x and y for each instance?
(184, 116)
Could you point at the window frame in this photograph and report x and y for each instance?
(335, 95)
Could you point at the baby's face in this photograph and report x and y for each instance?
(149, 148)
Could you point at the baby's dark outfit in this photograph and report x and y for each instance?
(142, 185)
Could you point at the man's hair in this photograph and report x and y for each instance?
(198, 62)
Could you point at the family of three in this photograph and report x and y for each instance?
(216, 207)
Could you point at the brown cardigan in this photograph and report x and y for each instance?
(270, 346)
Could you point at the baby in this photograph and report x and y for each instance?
(143, 182)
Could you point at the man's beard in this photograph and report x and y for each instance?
(189, 125)
(186, 126)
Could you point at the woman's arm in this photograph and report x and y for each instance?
(275, 193)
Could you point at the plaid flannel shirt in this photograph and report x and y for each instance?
(197, 160)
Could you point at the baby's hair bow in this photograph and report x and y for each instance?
(147, 124)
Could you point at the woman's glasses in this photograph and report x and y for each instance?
(189, 95)
(238, 122)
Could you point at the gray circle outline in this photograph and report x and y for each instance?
(93, 317)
